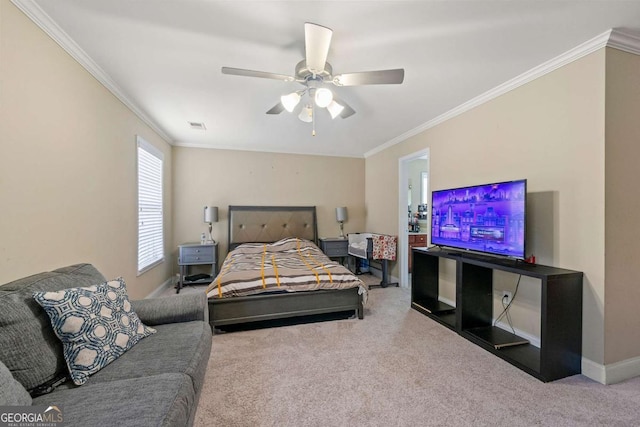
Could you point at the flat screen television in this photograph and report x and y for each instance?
(487, 218)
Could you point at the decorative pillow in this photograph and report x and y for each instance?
(96, 325)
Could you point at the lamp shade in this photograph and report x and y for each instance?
(290, 101)
(341, 214)
(323, 97)
(334, 109)
(306, 114)
(210, 214)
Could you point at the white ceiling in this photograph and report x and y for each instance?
(164, 58)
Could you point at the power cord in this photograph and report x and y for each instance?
(505, 308)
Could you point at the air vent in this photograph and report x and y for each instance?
(197, 126)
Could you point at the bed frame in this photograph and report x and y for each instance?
(266, 224)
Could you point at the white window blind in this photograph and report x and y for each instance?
(150, 218)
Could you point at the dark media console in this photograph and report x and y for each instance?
(560, 352)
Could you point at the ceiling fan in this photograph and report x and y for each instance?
(315, 73)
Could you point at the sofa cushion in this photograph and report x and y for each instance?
(158, 311)
(95, 324)
(11, 391)
(182, 348)
(160, 400)
(28, 345)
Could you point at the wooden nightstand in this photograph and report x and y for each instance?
(196, 254)
(416, 241)
(335, 247)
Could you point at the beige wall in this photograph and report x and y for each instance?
(549, 131)
(67, 164)
(226, 177)
(622, 243)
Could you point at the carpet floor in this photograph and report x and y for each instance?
(396, 367)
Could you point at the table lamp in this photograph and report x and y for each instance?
(210, 216)
(341, 217)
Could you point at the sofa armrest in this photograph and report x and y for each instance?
(173, 309)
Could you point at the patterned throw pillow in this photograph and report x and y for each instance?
(96, 325)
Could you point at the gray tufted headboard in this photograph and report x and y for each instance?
(266, 224)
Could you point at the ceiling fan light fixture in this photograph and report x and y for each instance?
(323, 97)
(335, 109)
(306, 114)
(290, 101)
(314, 73)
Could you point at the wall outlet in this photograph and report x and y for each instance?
(506, 297)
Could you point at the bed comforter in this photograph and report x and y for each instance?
(288, 265)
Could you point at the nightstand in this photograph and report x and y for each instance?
(190, 254)
(335, 247)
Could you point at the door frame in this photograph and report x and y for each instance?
(403, 202)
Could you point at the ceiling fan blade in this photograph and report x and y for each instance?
(251, 73)
(347, 111)
(276, 109)
(380, 77)
(317, 40)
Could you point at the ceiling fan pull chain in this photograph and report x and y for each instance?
(313, 120)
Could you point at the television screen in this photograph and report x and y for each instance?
(486, 218)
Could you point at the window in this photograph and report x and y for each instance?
(150, 218)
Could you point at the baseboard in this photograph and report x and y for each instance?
(612, 373)
(593, 370)
(375, 271)
(169, 283)
(394, 279)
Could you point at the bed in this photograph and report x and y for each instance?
(259, 281)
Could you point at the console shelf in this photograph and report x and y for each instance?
(495, 337)
(560, 352)
(522, 355)
(424, 298)
(438, 310)
(433, 306)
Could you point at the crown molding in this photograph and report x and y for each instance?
(625, 41)
(262, 150)
(614, 38)
(34, 12)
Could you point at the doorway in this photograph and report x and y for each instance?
(413, 190)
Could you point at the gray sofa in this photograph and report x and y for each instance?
(156, 383)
